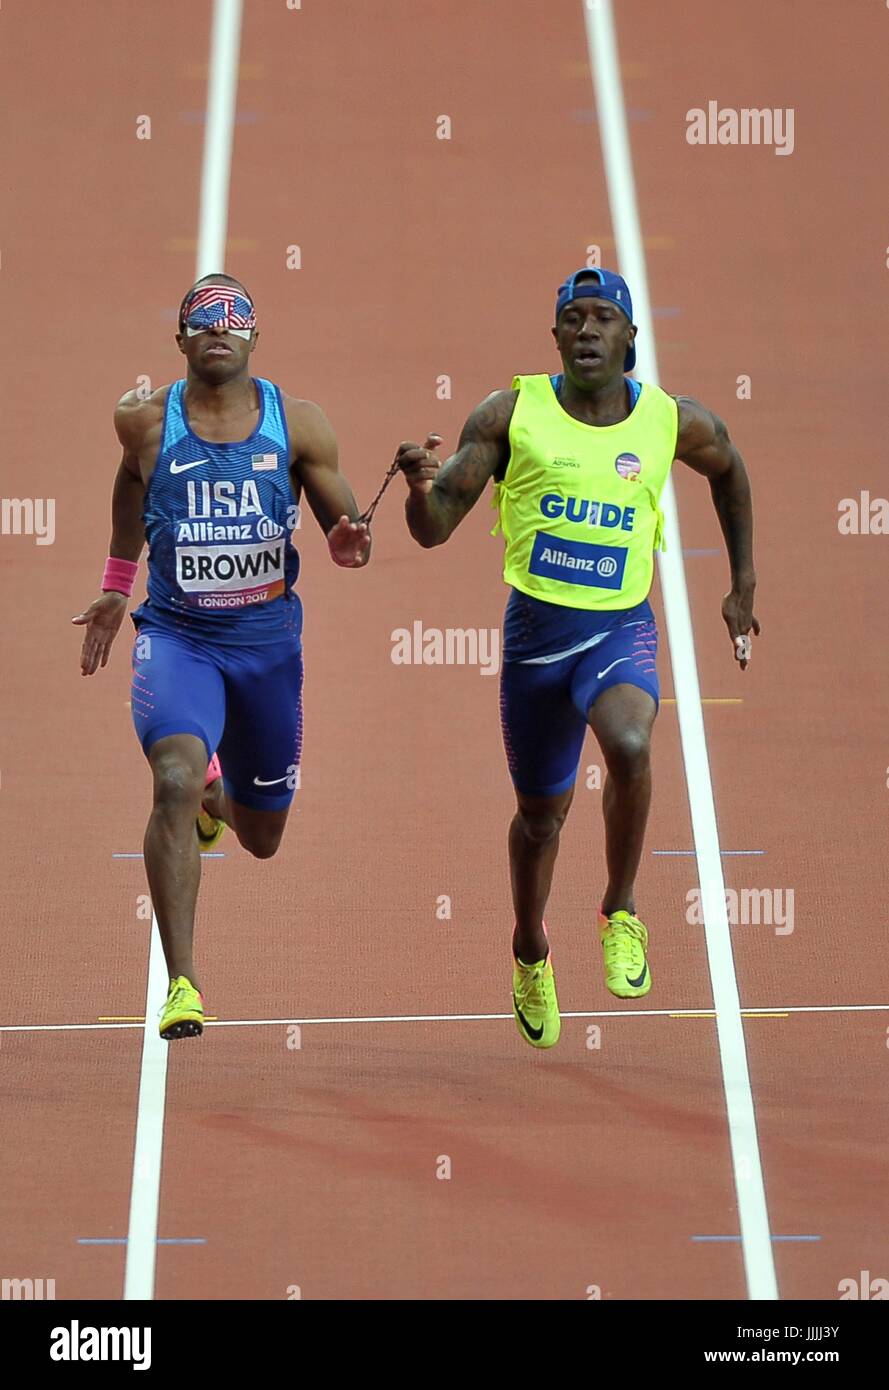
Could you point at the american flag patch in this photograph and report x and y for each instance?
(219, 306)
(264, 463)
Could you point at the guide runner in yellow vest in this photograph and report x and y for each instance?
(579, 462)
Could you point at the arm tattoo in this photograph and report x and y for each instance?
(484, 445)
(483, 449)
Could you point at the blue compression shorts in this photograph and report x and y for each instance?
(544, 707)
(244, 703)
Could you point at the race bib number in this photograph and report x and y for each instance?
(233, 573)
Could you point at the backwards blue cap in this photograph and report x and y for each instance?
(606, 285)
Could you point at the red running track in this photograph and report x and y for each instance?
(423, 258)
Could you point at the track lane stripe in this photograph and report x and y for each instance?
(147, 1152)
(222, 90)
(759, 1263)
(767, 1012)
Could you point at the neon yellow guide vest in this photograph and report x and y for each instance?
(580, 504)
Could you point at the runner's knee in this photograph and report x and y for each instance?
(177, 783)
(541, 824)
(627, 752)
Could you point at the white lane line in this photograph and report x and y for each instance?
(706, 1011)
(145, 1190)
(222, 90)
(756, 1240)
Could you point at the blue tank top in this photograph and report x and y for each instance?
(217, 520)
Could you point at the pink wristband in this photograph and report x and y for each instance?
(120, 575)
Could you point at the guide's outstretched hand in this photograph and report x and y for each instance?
(418, 462)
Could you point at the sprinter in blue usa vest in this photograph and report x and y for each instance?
(212, 472)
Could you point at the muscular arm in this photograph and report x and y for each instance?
(442, 494)
(103, 617)
(316, 471)
(316, 466)
(704, 445)
(128, 496)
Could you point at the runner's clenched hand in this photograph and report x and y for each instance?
(419, 463)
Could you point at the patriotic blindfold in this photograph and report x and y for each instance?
(219, 306)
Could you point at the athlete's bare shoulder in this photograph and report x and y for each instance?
(135, 414)
(693, 416)
(300, 409)
(138, 421)
(483, 450)
(702, 439)
(311, 433)
(489, 422)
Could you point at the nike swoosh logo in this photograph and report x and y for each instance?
(184, 467)
(258, 782)
(641, 980)
(600, 674)
(535, 1033)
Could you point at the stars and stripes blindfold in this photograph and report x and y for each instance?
(219, 306)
